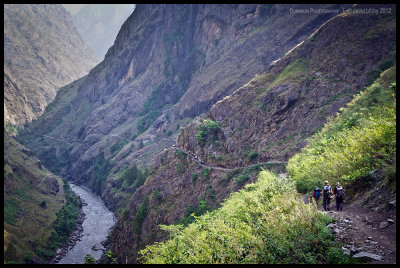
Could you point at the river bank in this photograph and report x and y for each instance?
(94, 224)
(73, 239)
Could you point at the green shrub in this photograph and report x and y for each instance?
(134, 177)
(11, 253)
(180, 168)
(208, 130)
(64, 223)
(241, 179)
(140, 216)
(360, 139)
(180, 154)
(269, 224)
(192, 212)
(206, 174)
(195, 176)
(89, 259)
(253, 155)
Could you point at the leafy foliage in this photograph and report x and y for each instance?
(253, 155)
(266, 222)
(134, 176)
(140, 216)
(11, 129)
(208, 129)
(362, 138)
(192, 212)
(63, 225)
(89, 259)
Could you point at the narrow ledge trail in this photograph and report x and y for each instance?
(367, 233)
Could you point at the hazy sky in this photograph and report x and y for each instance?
(74, 8)
(99, 24)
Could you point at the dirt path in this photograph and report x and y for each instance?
(201, 163)
(365, 230)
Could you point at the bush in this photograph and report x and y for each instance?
(195, 176)
(253, 155)
(63, 225)
(116, 147)
(89, 259)
(140, 216)
(134, 177)
(241, 179)
(267, 222)
(206, 173)
(192, 212)
(208, 129)
(361, 139)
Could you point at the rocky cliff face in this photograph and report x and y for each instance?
(168, 64)
(42, 52)
(270, 116)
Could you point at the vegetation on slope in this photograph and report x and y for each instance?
(266, 222)
(63, 225)
(359, 140)
(34, 204)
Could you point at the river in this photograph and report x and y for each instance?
(96, 226)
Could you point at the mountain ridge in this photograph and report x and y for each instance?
(42, 52)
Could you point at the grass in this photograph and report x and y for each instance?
(293, 72)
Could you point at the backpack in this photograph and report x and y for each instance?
(339, 192)
(327, 191)
(317, 193)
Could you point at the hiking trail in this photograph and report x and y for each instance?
(367, 231)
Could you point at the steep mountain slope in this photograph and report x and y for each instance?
(32, 197)
(99, 24)
(266, 120)
(356, 148)
(42, 52)
(164, 57)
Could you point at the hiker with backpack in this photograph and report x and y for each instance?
(326, 194)
(339, 194)
(317, 195)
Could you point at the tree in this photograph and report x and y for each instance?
(110, 257)
(89, 259)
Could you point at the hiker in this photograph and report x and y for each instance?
(326, 194)
(317, 195)
(339, 194)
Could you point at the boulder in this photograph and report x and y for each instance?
(367, 256)
(96, 247)
(383, 225)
